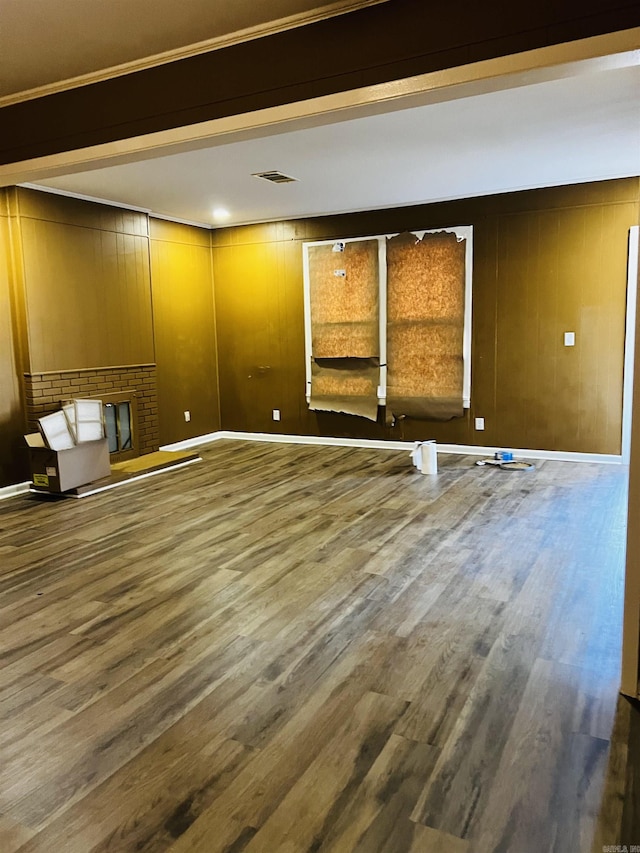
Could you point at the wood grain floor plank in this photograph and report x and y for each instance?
(520, 800)
(13, 836)
(74, 761)
(427, 840)
(308, 812)
(159, 795)
(377, 816)
(469, 762)
(252, 797)
(618, 821)
(317, 650)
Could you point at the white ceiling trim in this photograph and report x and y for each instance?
(110, 203)
(615, 50)
(331, 10)
(93, 199)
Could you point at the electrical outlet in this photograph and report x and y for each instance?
(187, 416)
(276, 414)
(479, 423)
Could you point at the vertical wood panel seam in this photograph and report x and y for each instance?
(18, 298)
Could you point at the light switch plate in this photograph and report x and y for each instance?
(569, 339)
(276, 414)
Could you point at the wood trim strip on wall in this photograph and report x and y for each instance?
(88, 369)
(630, 679)
(17, 292)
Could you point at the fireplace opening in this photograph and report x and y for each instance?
(117, 422)
(120, 417)
(120, 413)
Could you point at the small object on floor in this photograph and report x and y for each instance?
(517, 465)
(503, 456)
(507, 464)
(425, 457)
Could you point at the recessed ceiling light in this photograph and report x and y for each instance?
(221, 214)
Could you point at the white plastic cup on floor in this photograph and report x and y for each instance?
(425, 457)
(429, 458)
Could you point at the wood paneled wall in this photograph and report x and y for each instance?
(87, 284)
(11, 417)
(92, 288)
(562, 270)
(260, 337)
(184, 323)
(80, 275)
(545, 262)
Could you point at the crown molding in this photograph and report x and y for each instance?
(330, 10)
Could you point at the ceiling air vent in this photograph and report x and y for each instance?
(274, 177)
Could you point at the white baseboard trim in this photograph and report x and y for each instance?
(188, 443)
(12, 491)
(379, 444)
(525, 453)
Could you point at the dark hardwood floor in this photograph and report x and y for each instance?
(290, 648)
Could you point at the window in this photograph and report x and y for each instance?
(388, 322)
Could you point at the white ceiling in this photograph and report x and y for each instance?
(51, 42)
(581, 128)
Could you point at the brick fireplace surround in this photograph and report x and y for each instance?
(45, 391)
